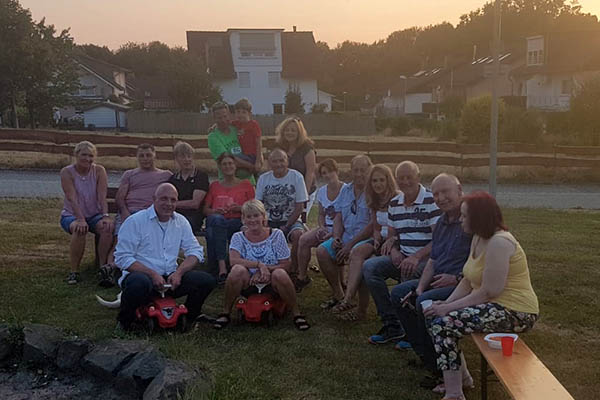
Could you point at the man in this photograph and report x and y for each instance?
(224, 139)
(283, 192)
(412, 216)
(449, 252)
(351, 227)
(147, 251)
(138, 185)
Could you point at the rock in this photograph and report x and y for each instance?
(107, 359)
(40, 343)
(173, 381)
(6, 343)
(140, 371)
(71, 351)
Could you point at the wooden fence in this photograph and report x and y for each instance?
(380, 149)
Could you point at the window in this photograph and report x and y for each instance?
(274, 79)
(244, 79)
(277, 108)
(565, 86)
(257, 44)
(535, 57)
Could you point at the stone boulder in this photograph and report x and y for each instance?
(6, 342)
(108, 358)
(71, 351)
(174, 380)
(137, 374)
(40, 343)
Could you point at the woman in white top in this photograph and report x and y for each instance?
(381, 188)
(326, 196)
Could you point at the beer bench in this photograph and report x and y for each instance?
(523, 375)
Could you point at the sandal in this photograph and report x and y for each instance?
(326, 305)
(342, 306)
(222, 321)
(350, 316)
(314, 268)
(107, 274)
(301, 323)
(300, 284)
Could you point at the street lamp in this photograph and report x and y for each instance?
(494, 116)
(344, 94)
(405, 79)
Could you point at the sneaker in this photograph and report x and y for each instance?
(107, 275)
(402, 345)
(73, 278)
(300, 284)
(386, 334)
(221, 279)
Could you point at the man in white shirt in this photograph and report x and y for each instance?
(283, 192)
(149, 243)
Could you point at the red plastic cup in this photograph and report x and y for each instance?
(507, 345)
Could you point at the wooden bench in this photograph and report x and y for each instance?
(523, 375)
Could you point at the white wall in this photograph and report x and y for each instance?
(414, 102)
(100, 117)
(544, 92)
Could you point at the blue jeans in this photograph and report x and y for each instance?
(413, 321)
(138, 290)
(219, 231)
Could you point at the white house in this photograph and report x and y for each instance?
(100, 80)
(105, 116)
(261, 65)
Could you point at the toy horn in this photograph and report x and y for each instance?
(110, 304)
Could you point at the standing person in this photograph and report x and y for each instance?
(351, 228)
(249, 134)
(191, 184)
(224, 139)
(326, 197)
(147, 252)
(85, 208)
(283, 193)
(380, 189)
(223, 207)
(139, 184)
(293, 138)
(495, 294)
(412, 216)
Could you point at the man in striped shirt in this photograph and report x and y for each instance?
(412, 216)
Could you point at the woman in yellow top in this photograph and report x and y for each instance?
(495, 294)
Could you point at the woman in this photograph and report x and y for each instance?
(326, 196)
(222, 207)
(85, 208)
(495, 294)
(260, 255)
(293, 138)
(381, 188)
(191, 184)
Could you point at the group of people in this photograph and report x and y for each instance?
(458, 268)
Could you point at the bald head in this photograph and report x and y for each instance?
(165, 187)
(278, 161)
(408, 167)
(165, 201)
(278, 153)
(444, 178)
(447, 193)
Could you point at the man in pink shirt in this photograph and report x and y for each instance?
(139, 184)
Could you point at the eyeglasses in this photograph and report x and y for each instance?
(353, 207)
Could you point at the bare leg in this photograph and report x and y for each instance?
(294, 239)
(307, 241)
(105, 244)
(283, 285)
(363, 300)
(222, 267)
(331, 271)
(358, 255)
(238, 279)
(453, 384)
(76, 250)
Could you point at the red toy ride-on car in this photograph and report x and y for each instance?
(260, 307)
(163, 312)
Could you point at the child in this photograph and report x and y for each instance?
(249, 134)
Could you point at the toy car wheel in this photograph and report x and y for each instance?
(150, 325)
(268, 318)
(182, 323)
(240, 317)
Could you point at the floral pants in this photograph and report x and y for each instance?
(487, 318)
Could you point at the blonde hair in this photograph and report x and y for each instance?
(85, 145)
(254, 206)
(375, 201)
(182, 148)
(302, 134)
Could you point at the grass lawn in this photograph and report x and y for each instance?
(333, 359)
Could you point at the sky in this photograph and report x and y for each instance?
(115, 22)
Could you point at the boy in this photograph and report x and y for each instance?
(249, 134)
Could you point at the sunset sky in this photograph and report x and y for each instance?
(113, 23)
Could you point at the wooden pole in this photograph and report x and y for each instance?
(494, 117)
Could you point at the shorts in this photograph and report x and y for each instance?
(67, 220)
(297, 225)
(328, 245)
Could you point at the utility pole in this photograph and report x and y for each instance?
(494, 117)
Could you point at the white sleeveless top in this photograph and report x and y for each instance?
(327, 204)
(382, 219)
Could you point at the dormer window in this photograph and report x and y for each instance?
(535, 50)
(256, 44)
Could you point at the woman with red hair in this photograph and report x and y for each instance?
(495, 294)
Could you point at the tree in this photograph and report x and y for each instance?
(584, 111)
(293, 100)
(475, 119)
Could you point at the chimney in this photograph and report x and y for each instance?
(294, 28)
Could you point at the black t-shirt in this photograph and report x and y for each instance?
(296, 161)
(185, 188)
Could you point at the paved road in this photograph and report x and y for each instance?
(34, 183)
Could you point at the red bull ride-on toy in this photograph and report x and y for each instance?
(260, 307)
(163, 312)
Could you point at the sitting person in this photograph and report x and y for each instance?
(147, 251)
(449, 251)
(351, 228)
(223, 207)
(380, 189)
(412, 216)
(283, 192)
(259, 255)
(495, 294)
(85, 208)
(249, 134)
(326, 196)
(138, 185)
(191, 184)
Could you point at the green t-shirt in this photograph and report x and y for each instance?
(219, 143)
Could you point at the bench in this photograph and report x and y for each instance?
(523, 375)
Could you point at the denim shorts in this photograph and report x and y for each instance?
(328, 245)
(297, 225)
(67, 220)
